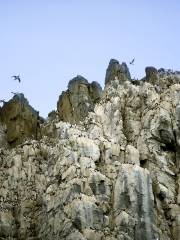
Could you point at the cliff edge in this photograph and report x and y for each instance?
(104, 166)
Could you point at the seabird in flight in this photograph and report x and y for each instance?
(17, 78)
(132, 62)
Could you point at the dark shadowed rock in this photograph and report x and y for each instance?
(76, 81)
(136, 82)
(52, 115)
(74, 104)
(20, 119)
(151, 75)
(118, 71)
(95, 91)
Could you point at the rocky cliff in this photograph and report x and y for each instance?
(20, 118)
(104, 166)
(75, 104)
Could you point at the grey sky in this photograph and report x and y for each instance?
(48, 42)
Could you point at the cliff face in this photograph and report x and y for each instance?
(112, 175)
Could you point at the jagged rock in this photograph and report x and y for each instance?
(133, 194)
(151, 75)
(116, 175)
(3, 135)
(132, 155)
(177, 135)
(7, 224)
(80, 98)
(85, 214)
(20, 118)
(52, 115)
(117, 71)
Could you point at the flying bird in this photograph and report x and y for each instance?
(17, 78)
(132, 62)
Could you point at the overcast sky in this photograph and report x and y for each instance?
(48, 42)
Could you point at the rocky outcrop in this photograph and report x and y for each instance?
(152, 75)
(20, 119)
(116, 71)
(114, 175)
(74, 104)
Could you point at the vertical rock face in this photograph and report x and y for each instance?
(3, 136)
(116, 71)
(114, 175)
(20, 119)
(80, 98)
(133, 203)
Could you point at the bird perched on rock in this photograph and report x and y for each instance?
(17, 94)
(132, 62)
(17, 78)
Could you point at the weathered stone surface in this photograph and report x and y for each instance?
(113, 175)
(3, 135)
(117, 71)
(20, 118)
(7, 224)
(151, 75)
(75, 104)
(133, 194)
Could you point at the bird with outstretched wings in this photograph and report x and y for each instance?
(17, 77)
(132, 62)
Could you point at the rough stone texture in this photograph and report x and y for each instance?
(116, 71)
(74, 104)
(133, 203)
(113, 176)
(20, 118)
(3, 135)
(152, 75)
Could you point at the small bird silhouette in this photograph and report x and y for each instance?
(17, 78)
(132, 62)
(15, 93)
